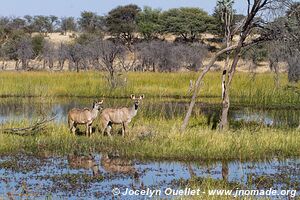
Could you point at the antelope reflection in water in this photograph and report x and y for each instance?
(85, 162)
(116, 165)
(224, 171)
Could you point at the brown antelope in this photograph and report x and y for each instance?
(122, 116)
(84, 116)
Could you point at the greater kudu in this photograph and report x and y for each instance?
(122, 116)
(84, 116)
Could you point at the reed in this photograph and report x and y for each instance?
(259, 89)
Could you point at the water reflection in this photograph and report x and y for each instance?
(84, 162)
(28, 108)
(62, 176)
(117, 165)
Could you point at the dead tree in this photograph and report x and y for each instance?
(62, 55)
(226, 11)
(249, 24)
(108, 53)
(49, 54)
(197, 85)
(24, 51)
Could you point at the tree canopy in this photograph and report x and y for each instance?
(186, 22)
(121, 21)
(148, 22)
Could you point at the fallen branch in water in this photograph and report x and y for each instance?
(30, 130)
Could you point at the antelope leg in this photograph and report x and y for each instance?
(91, 129)
(123, 129)
(108, 129)
(87, 130)
(73, 129)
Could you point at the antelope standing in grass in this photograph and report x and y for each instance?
(110, 116)
(84, 116)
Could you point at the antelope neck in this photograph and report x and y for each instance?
(136, 106)
(95, 112)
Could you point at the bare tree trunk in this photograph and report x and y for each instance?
(44, 64)
(226, 100)
(246, 29)
(61, 65)
(77, 66)
(51, 64)
(274, 67)
(253, 9)
(228, 38)
(70, 65)
(3, 65)
(17, 65)
(24, 64)
(197, 85)
(112, 79)
(225, 109)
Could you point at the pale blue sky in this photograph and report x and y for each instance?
(74, 7)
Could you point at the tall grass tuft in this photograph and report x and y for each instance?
(246, 89)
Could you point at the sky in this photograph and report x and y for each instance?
(61, 8)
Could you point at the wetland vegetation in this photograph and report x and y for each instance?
(196, 128)
(248, 89)
(263, 128)
(154, 133)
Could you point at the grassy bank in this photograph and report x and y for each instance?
(247, 89)
(160, 140)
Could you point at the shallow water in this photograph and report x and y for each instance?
(14, 109)
(76, 177)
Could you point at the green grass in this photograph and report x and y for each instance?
(160, 140)
(246, 89)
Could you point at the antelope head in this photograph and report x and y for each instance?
(98, 105)
(136, 99)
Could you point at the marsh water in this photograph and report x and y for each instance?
(96, 175)
(14, 109)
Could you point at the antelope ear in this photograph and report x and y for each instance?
(132, 96)
(100, 102)
(142, 96)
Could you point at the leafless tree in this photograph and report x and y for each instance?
(251, 23)
(128, 60)
(94, 51)
(189, 56)
(24, 51)
(49, 54)
(2, 57)
(62, 55)
(165, 56)
(75, 55)
(159, 55)
(225, 8)
(274, 57)
(108, 53)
